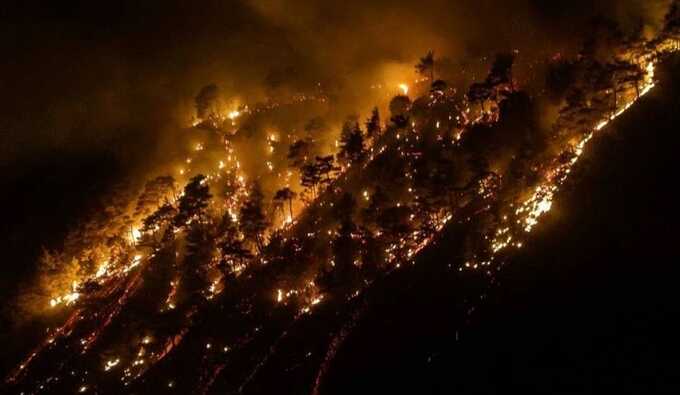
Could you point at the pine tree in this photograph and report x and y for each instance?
(194, 201)
(252, 216)
(426, 66)
(285, 195)
(351, 142)
(373, 128)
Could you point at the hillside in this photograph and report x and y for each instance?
(282, 244)
(587, 307)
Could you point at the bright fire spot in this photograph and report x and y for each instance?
(403, 88)
(67, 299)
(136, 234)
(102, 269)
(110, 364)
(233, 114)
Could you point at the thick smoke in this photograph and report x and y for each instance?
(85, 76)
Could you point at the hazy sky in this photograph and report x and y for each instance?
(83, 75)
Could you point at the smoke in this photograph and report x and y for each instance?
(89, 77)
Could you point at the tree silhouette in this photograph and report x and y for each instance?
(285, 195)
(310, 178)
(438, 86)
(627, 74)
(199, 247)
(373, 128)
(501, 71)
(253, 219)
(425, 66)
(343, 274)
(399, 106)
(351, 142)
(153, 194)
(300, 152)
(325, 167)
(156, 221)
(232, 251)
(194, 201)
(206, 102)
(479, 92)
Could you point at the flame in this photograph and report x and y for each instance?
(111, 364)
(68, 298)
(404, 88)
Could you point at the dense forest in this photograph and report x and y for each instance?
(272, 220)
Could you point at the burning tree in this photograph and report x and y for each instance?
(425, 66)
(285, 195)
(351, 142)
(207, 108)
(399, 106)
(310, 178)
(232, 251)
(497, 85)
(373, 128)
(325, 168)
(161, 219)
(193, 202)
(154, 192)
(501, 72)
(299, 152)
(253, 220)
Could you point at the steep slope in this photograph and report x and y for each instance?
(199, 292)
(588, 306)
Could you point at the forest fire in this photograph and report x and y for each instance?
(281, 215)
(68, 298)
(403, 88)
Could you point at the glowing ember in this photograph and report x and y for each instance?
(110, 364)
